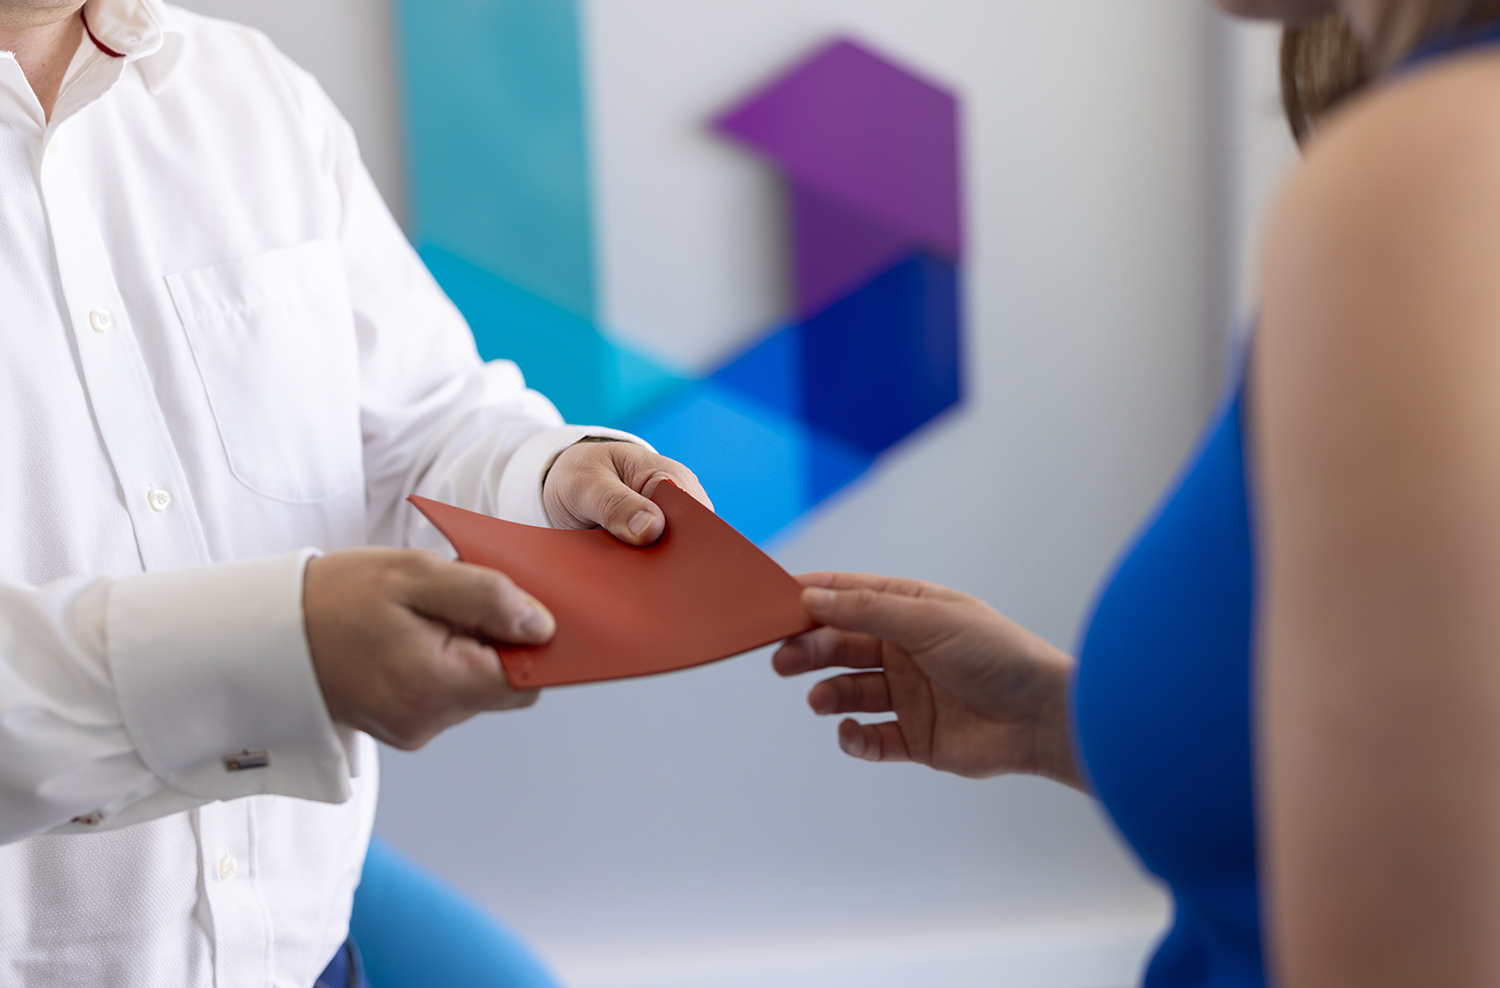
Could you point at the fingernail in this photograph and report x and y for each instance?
(852, 741)
(535, 622)
(817, 598)
(640, 522)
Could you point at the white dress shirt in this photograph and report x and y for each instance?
(216, 350)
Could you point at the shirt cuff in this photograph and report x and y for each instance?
(216, 685)
(520, 496)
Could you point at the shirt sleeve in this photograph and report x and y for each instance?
(437, 420)
(126, 699)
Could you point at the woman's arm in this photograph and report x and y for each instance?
(1376, 426)
(972, 692)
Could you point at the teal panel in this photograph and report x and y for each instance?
(635, 382)
(589, 378)
(498, 147)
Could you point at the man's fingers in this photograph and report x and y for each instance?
(914, 623)
(826, 647)
(481, 601)
(643, 470)
(518, 700)
(401, 640)
(637, 469)
(474, 678)
(857, 693)
(609, 485)
(628, 516)
(683, 478)
(873, 742)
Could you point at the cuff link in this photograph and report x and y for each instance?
(247, 759)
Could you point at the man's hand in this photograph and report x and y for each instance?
(609, 485)
(400, 640)
(973, 693)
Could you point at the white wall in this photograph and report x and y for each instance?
(702, 828)
(1262, 150)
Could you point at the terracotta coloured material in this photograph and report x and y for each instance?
(700, 593)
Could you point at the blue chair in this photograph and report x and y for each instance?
(418, 932)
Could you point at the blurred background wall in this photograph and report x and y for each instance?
(703, 829)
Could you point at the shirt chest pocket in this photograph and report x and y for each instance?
(273, 337)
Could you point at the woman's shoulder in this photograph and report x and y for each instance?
(1416, 146)
(1395, 208)
(1377, 358)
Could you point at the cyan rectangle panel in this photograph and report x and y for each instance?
(498, 142)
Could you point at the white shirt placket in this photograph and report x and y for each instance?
(134, 432)
(242, 931)
(167, 528)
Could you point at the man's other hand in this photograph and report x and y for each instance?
(400, 640)
(609, 485)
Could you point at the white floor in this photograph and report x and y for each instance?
(1099, 951)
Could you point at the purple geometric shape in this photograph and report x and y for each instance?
(858, 129)
(837, 249)
(869, 153)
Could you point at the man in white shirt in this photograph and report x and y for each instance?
(216, 351)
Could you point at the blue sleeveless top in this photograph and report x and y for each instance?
(1162, 699)
(1162, 714)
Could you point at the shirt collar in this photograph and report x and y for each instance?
(142, 31)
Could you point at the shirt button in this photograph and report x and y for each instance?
(228, 866)
(159, 500)
(100, 319)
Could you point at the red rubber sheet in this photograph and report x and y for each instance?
(700, 593)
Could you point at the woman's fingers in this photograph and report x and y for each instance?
(914, 623)
(851, 581)
(881, 742)
(881, 584)
(823, 648)
(857, 693)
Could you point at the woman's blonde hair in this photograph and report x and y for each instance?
(1325, 61)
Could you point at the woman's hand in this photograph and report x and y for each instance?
(973, 693)
(608, 484)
